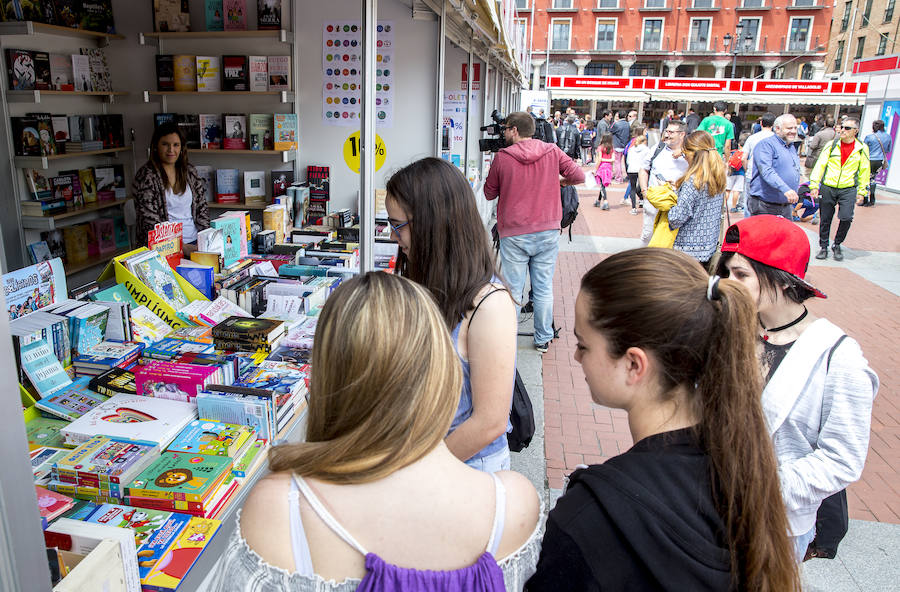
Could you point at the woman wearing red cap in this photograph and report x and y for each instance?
(819, 387)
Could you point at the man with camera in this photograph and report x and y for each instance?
(525, 176)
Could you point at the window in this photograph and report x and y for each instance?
(882, 45)
(606, 34)
(561, 29)
(753, 4)
(804, 2)
(654, 3)
(860, 47)
(848, 7)
(652, 40)
(750, 34)
(703, 3)
(642, 70)
(607, 3)
(600, 69)
(839, 56)
(520, 42)
(699, 35)
(806, 72)
(799, 37)
(522, 4)
(867, 13)
(562, 3)
(889, 11)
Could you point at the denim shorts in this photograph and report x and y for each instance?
(496, 461)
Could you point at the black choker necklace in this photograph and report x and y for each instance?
(783, 327)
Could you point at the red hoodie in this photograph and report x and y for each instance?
(526, 178)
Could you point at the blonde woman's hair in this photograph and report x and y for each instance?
(639, 139)
(384, 386)
(707, 166)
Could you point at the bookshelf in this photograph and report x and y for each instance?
(43, 162)
(283, 95)
(70, 217)
(35, 96)
(94, 261)
(280, 35)
(33, 28)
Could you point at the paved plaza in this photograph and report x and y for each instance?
(863, 299)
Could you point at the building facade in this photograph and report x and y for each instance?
(861, 29)
(675, 38)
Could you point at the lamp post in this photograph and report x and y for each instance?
(736, 47)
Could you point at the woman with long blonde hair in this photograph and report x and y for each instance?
(701, 193)
(374, 499)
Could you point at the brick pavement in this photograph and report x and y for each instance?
(578, 431)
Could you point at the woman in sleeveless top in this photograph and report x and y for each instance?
(374, 500)
(444, 247)
(819, 388)
(694, 504)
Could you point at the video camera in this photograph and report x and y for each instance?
(494, 129)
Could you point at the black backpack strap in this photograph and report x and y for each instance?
(483, 298)
(831, 351)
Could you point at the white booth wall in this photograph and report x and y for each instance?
(883, 102)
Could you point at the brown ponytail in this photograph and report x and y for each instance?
(656, 299)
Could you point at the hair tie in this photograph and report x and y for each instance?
(712, 289)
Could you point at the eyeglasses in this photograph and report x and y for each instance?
(396, 228)
(847, 127)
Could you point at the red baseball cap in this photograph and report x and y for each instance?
(773, 241)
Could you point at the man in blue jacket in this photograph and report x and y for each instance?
(776, 171)
(879, 143)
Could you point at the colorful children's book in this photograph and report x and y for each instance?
(147, 327)
(236, 408)
(231, 233)
(155, 272)
(52, 504)
(178, 559)
(235, 15)
(43, 431)
(42, 461)
(181, 477)
(134, 417)
(143, 522)
(105, 463)
(43, 368)
(285, 131)
(251, 459)
(214, 20)
(71, 402)
(211, 437)
(117, 293)
(174, 381)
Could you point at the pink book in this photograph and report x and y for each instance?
(163, 381)
(242, 215)
(50, 503)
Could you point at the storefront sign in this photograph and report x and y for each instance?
(852, 90)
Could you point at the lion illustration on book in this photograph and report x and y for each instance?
(178, 476)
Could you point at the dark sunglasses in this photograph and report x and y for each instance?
(845, 127)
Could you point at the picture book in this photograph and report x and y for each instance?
(181, 555)
(235, 15)
(211, 437)
(199, 276)
(285, 131)
(171, 16)
(268, 14)
(236, 74)
(44, 431)
(181, 477)
(147, 327)
(261, 131)
(208, 70)
(235, 131)
(71, 402)
(134, 417)
(20, 69)
(280, 72)
(155, 272)
(259, 73)
(185, 69)
(116, 293)
(231, 233)
(42, 461)
(44, 126)
(250, 460)
(52, 504)
(165, 72)
(39, 251)
(227, 185)
(241, 409)
(43, 369)
(214, 20)
(105, 461)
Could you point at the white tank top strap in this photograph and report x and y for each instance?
(499, 515)
(299, 545)
(326, 516)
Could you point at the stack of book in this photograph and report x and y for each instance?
(175, 381)
(105, 355)
(196, 484)
(115, 381)
(52, 504)
(172, 347)
(216, 438)
(247, 334)
(72, 401)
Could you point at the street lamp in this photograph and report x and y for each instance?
(738, 41)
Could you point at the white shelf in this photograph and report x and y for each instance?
(43, 162)
(286, 155)
(281, 35)
(33, 28)
(35, 96)
(70, 217)
(284, 96)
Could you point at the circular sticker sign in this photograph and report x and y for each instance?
(352, 152)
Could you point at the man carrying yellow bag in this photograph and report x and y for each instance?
(663, 198)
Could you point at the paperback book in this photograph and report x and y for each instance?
(254, 187)
(115, 381)
(165, 72)
(40, 364)
(231, 233)
(259, 73)
(171, 16)
(285, 131)
(227, 186)
(208, 68)
(235, 131)
(236, 74)
(144, 419)
(61, 72)
(279, 72)
(268, 14)
(210, 131)
(71, 402)
(178, 559)
(235, 15)
(212, 437)
(214, 20)
(185, 68)
(261, 131)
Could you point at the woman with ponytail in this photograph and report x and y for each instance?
(694, 504)
(374, 499)
(701, 193)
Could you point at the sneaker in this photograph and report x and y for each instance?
(838, 255)
(597, 204)
(815, 220)
(823, 253)
(605, 206)
(624, 201)
(795, 218)
(737, 209)
(633, 212)
(542, 347)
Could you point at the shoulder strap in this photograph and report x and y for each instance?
(326, 516)
(483, 298)
(499, 515)
(659, 148)
(827, 400)
(831, 351)
(299, 543)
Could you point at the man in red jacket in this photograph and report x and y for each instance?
(526, 177)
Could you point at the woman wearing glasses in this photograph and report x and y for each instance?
(444, 247)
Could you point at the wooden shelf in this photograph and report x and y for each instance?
(35, 96)
(279, 34)
(238, 206)
(51, 222)
(94, 261)
(43, 162)
(286, 155)
(33, 28)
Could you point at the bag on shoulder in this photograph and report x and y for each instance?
(521, 417)
(569, 197)
(735, 161)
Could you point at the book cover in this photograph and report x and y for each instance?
(26, 139)
(117, 293)
(268, 14)
(180, 557)
(107, 354)
(159, 277)
(251, 330)
(319, 180)
(161, 118)
(211, 437)
(231, 233)
(43, 369)
(99, 69)
(52, 504)
(259, 73)
(81, 72)
(60, 131)
(104, 230)
(210, 131)
(115, 381)
(165, 72)
(97, 15)
(105, 179)
(168, 382)
(235, 131)
(248, 462)
(38, 185)
(185, 67)
(143, 419)
(24, 11)
(194, 336)
(264, 242)
(235, 408)
(71, 402)
(273, 219)
(255, 187)
(261, 131)
(236, 74)
(280, 72)
(44, 124)
(67, 13)
(242, 216)
(44, 431)
(220, 309)
(181, 477)
(280, 377)
(43, 459)
(208, 68)
(171, 347)
(39, 251)
(42, 77)
(20, 69)
(214, 20)
(88, 185)
(189, 124)
(235, 15)
(167, 238)
(199, 276)
(227, 187)
(204, 172)
(285, 131)
(210, 240)
(171, 16)
(147, 327)
(281, 180)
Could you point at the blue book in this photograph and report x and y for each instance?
(71, 402)
(236, 408)
(214, 20)
(231, 233)
(43, 369)
(107, 354)
(117, 293)
(199, 276)
(168, 348)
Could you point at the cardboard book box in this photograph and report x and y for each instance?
(143, 295)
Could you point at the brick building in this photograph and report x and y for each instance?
(684, 38)
(861, 29)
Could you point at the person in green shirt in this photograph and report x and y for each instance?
(719, 127)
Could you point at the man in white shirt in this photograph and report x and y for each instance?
(663, 165)
(766, 122)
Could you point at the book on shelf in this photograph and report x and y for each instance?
(38, 184)
(281, 180)
(259, 73)
(235, 131)
(71, 402)
(69, 183)
(171, 16)
(20, 69)
(61, 77)
(88, 185)
(268, 14)
(208, 70)
(189, 124)
(99, 68)
(23, 11)
(210, 131)
(146, 419)
(214, 19)
(204, 172)
(68, 13)
(42, 77)
(97, 15)
(46, 137)
(254, 187)
(261, 130)
(215, 438)
(236, 74)
(185, 67)
(105, 178)
(279, 72)
(163, 118)
(26, 139)
(227, 185)
(235, 13)
(39, 251)
(60, 125)
(319, 180)
(165, 72)
(81, 72)
(285, 131)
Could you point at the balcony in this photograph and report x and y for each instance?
(755, 5)
(656, 6)
(703, 6)
(805, 7)
(652, 47)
